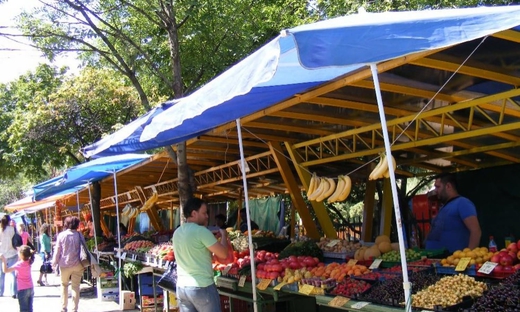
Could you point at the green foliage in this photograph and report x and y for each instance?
(11, 190)
(49, 116)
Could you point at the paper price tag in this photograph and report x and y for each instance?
(264, 283)
(375, 264)
(352, 262)
(242, 281)
(162, 263)
(360, 305)
(333, 243)
(338, 301)
(487, 267)
(463, 264)
(279, 285)
(226, 269)
(306, 289)
(167, 264)
(123, 255)
(134, 257)
(118, 254)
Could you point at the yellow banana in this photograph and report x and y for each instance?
(378, 174)
(339, 188)
(346, 190)
(394, 165)
(312, 184)
(372, 174)
(318, 189)
(331, 186)
(324, 184)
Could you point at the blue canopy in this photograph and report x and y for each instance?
(309, 55)
(91, 171)
(126, 140)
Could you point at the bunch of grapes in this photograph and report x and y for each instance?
(501, 298)
(391, 291)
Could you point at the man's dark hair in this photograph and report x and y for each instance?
(220, 217)
(193, 204)
(446, 178)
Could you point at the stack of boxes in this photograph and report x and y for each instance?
(108, 287)
(151, 299)
(127, 300)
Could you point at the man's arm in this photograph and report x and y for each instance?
(474, 231)
(220, 249)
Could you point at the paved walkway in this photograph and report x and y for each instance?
(47, 298)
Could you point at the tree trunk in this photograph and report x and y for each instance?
(183, 173)
(96, 209)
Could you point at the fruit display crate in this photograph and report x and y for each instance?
(450, 270)
(466, 303)
(338, 255)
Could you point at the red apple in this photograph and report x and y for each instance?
(495, 258)
(503, 252)
(512, 247)
(498, 269)
(506, 260)
(517, 267)
(513, 256)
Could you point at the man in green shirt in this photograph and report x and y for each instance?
(194, 245)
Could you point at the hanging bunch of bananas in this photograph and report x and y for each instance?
(150, 202)
(131, 212)
(381, 170)
(322, 188)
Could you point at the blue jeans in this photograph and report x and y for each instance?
(198, 299)
(10, 262)
(25, 299)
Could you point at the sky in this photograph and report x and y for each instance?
(24, 58)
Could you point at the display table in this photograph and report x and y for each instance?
(322, 303)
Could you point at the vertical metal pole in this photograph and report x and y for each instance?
(249, 235)
(118, 231)
(397, 211)
(93, 221)
(77, 203)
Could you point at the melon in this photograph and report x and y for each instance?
(384, 247)
(395, 246)
(372, 253)
(360, 253)
(382, 238)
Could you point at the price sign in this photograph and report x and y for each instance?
(279, 285)
(463, 264)
(134, 257)
(167, 264)
(226, 269)
(487, 267)
(339, 301)
(375, 264)
(162, 263)
(306, 289)
(242, 281)
(360, 305)
(123, 255)
(333, 243)
(264, 283)
(352, 262)
(118, 254)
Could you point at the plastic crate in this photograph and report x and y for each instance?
(335, 255)
(237, 305)
(450, 270)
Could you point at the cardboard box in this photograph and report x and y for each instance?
(127, 300)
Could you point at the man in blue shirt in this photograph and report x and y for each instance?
(456, 225)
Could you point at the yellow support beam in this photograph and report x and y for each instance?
(368, 211)
(319, 208)
(153, 214)
(386, 209)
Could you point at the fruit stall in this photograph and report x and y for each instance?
(337, 274)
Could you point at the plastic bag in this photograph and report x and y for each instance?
(230, 256)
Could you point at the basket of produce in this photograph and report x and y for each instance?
(390, 291)
(350, 288)
(338, 248)
(450, 293)
(424, 262)
(393, 258)
(500, 298)
(450, 270)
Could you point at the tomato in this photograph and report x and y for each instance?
(277, 267)
(261, 273)
(273, 275)
(308, 262)
(274, 261)
(235, 253)
(267, 267)
(294, 265)
(260, 266)
(316, 260)
(292, 258)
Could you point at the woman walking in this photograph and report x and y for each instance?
(45, 250)
(10, 254)
(66, 255)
